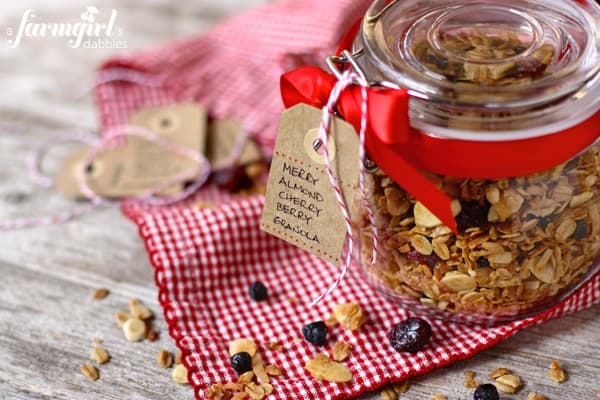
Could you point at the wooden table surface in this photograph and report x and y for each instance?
(48, 275)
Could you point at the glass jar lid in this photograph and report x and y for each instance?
(494, 67)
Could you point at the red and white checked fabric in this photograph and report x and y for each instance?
(206, 259)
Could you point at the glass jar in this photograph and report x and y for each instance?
(491, 74)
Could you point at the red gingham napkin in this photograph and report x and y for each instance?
(205, 259)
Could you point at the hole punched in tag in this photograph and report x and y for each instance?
(165, 123)
(313, 146)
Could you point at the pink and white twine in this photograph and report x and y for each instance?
(347, 79)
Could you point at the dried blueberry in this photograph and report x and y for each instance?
(241, 362)
(581, 230)
(483, 262)
(315, 333)
(473, 215)
(486, 392)
(410, 335)
(521, 257)
(258, 291)
(545, 221)
(430, 260)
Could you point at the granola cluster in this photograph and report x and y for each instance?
(521, 243)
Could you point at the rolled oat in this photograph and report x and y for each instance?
(401, 387)
(536, 396)
(164, 359)
(508, 383)
(341, 351)
(100, 294)
(388, 393)
(100, 355)
(556, 373)
(498, 372)
(90, 372)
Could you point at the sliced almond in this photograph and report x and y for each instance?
(139, 311)
(121, 317)
(458, 281)
(424, 217)
(323, 368)
(180, 374)
(134, 329)
(536, 396)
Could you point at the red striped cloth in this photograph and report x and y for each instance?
(205, 259)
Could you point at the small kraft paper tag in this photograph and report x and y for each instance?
(300, 205)
(222, 139)
(141, 165)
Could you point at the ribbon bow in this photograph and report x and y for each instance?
(388, 128)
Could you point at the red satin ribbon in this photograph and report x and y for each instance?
(387, 108)
(402, 151)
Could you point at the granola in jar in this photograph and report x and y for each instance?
(487, 73)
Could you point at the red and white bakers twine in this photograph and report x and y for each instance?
(348, 79)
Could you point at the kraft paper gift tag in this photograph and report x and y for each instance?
(140, 165)
(300, 205)
(223, 136)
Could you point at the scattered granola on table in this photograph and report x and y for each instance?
(470, 381)
(508, 383)
(100, 294)
(350, 316)
(341, 351)
(536, 396)
(164, 359)
(100, 355)
(90, 372)
(180, 374)
(556, 373)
